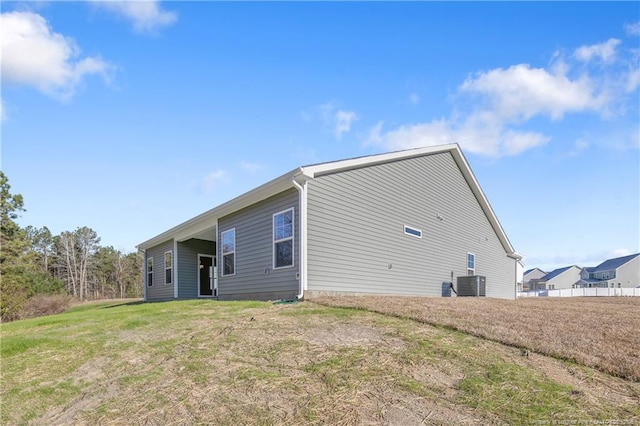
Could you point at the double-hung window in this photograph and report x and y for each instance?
(229, 252)
(471, 264)
(283, 239)
(168, 267)
(149, 271)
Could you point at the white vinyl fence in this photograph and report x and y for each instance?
(582, 292)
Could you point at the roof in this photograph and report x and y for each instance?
(533, 269)
(612, 264)
(556, 272)
(208, 219)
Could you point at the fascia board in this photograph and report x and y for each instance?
(209, 218)
(371, 160)
(484, 203)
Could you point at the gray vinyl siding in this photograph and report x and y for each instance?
(566, 279)
(628, 275)
(188, 265)
(159, 290)
(255, 277)
(356, 241)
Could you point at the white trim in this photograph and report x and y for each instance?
(146, 272)
(370, 160)
(474, 263)
(210, 256)
(144, 275)
(175, 268)
(302, 190)
(216, 269)
(412, 234)
(222, 252)
(282, 240)
(206, 220)
(303, 237)
(164, 261)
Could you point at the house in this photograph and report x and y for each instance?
(519, 274)
(613, 273)
(531, 274)
(557, 279)
(399, 223)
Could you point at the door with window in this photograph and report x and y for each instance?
(206, 275)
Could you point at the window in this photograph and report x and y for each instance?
(229, 252)
(149, 271)
(283, 239)
(168, 267)
(471, 264)
(412, 231)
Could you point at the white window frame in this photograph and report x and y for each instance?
(413, 234)
(226, 253)
(471, 271)
(281, 240)
(149, 272)
(164, 259)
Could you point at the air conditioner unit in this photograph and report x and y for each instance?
(472, 285)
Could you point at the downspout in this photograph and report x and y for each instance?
(174, 266)
(302, 190)
(517, 258)
(144, 274)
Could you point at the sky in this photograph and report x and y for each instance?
(132, 117)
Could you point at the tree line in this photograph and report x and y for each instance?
(34, 262)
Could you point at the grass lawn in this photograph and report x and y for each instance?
(208, 362)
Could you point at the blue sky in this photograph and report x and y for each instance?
(132, 117)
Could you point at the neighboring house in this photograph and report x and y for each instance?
(400, 223)
(519, 274)
(613, 273)
(557, 279)
(531, 274)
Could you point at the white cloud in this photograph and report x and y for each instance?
(2, 111)
(521, 92)
(620, 252)
(343, 121)
(606, 51)
(579, 147)
(478, 134)
(494, 105)
(338, 119)
(632, 29)
(33, 55)
(211, 180)
(146, 16)
(251, 168)
(632, 80)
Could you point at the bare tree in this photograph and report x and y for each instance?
(77, 251)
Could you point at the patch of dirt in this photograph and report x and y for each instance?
(346, 334)
(101, 388)
(407, 409)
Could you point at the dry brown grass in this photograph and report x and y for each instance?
(599, 332)
(251, 363)
(45, 304)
